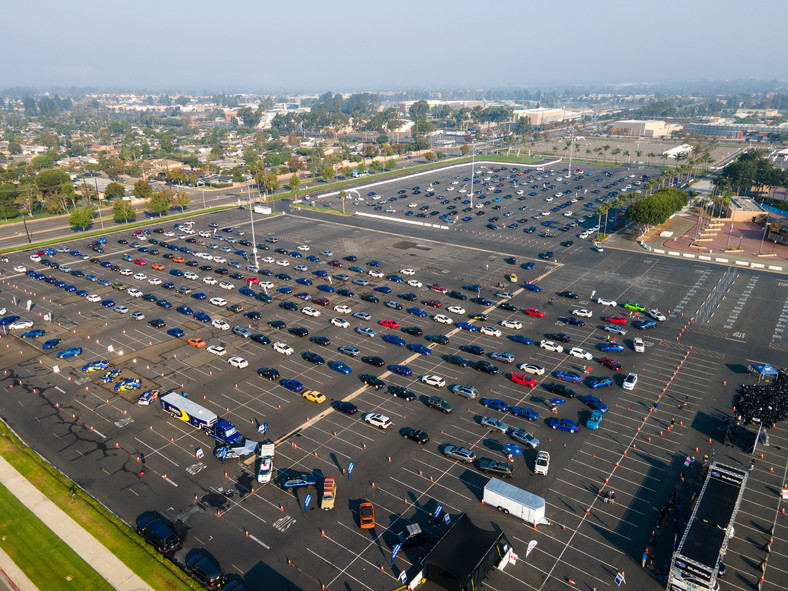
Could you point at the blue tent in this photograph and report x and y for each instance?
(763, 370)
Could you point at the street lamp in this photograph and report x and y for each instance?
(251, 219)
(473, 162)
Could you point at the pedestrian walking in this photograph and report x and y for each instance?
(752, 465)
(672, 422)
(644, 558)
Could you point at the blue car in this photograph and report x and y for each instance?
(326, 288)
(520, 339)
(285, 290)
(643, 324)
(175, 332)
(313, 258)
(70, 352)
(495, 404)
(569, 376)
(467, 326)
(176, 272)
(320, 273)
(527, 266)
(416, 312)
(292, 385)
(594, 420)
(595, 403)
(51, 344)
(95, 366)
(418, 348)
(601, 382)
(202, 317)
(108, 303)
(110, 376)
(564, 425)
(611, 347)
(532, 287)
(304, 281)
(383, 289)
(247, 292)
(525, 412)
(184, 310)
(401, 370)
(72, 289)
(394, 339)
(340, 367)
(199, 295)
(32, 334)
(373, 263)
(395, 278)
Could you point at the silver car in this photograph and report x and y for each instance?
(465, 391)
(525, 438)
(459, 453)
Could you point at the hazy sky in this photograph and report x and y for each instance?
(312, 45)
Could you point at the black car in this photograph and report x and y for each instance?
(288, 306)
(168, 285)
(402, 392)
(268, 372)
(501, 469)
(408, 297)
(546, 255)
(205, 267)
(149, 297)
(373, 381)
(568, 294)
(283, 276)
(573, 321)
(456, 360)
(457, 295)
(561, 390)
(567, 243)
(437, 338)
(481, 301)
(164, 304)
(312, 358)
(507, 306)
(561, 337)
(235, 308)
(346, 407)
(439, 404)
(370, 298)
(204, 567)
(322, 341)
(157, 323)
(253, 315)
(158, 532)
(276, 324)
(416, 435)
(510, 260)
(472, 349)
(486, 367)
(373, 360)
(413, 330)
(351, 258)
(298, 331)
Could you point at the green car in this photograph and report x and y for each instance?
(634, 306)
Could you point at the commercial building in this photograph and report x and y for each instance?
(643, 128)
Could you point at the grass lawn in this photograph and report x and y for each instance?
(31, 545)
(512, 159)
(323, 209)
(116, 536)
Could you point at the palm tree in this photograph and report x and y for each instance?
(651, 155)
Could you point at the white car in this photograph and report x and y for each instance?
(283, 348)
(154, 281)
(216, 350)
(340, 322)
(238, 362)
(407, 271)
(374, 273)
(657, 315)
(283, 263)
(531, 368)
(221, 324)
(415, 283)
(268, 259)
(377, 420)
(327, 253)
(35, 258)
(490, 331)
(191, 275)
(303, 248)
(209, 281)
(342, 309)
(134, 292)
(19, 324)
(630, 381)
(218, 302)
(516, 324)
(433, 380)
(551, 346)
(93, 298)
(442, 319)
(607, 302)
(580, 353)
(301, 268)
(266, 285)
(124, 272)
(309, 311)
(639, 345)
(140, 276)
(137, 316)
(542, 463)
(583, 313)
(456, 309)
(226, 285)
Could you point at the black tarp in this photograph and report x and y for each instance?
(463, 556)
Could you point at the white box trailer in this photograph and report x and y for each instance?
(510, 499)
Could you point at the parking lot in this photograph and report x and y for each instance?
(137, 458)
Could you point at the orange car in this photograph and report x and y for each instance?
(158, 266)
(178, 259)
(196, 342)
(366, 516)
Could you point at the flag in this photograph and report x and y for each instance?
(198, 452)
(394, 552)
(437, 512)
(403, 576)
(531, 546)
(349, 469)
(263, 428)
(446, 518)
(110, 348)
(307, 500)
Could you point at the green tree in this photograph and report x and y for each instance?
(80, 219)
(180, 199)
(158, 203)
(376, 165)
(391, 163)
(294, 183)
(217, 152)
(114, 191)
(464, 149)
(123, 212)
(429, 155)
(142, 189)
(655, 209)
(327, 173)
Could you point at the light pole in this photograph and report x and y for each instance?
(765, 230)
(251, 219)
(473, 162)
(203, 199)
(571, 153)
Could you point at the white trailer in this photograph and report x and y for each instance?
(510, 499)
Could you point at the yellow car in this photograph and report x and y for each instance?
(314, 396)
(512, 277)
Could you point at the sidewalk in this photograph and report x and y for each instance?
(86, 546)
(11, 576)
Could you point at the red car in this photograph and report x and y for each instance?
(252, 280)
(615, 319)
(432, 303)
(522, 379)
(389, 323)
(321, 301)
(437, 287)
(534, 312)
(140, 262)
(607, 362)
(335, 263)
